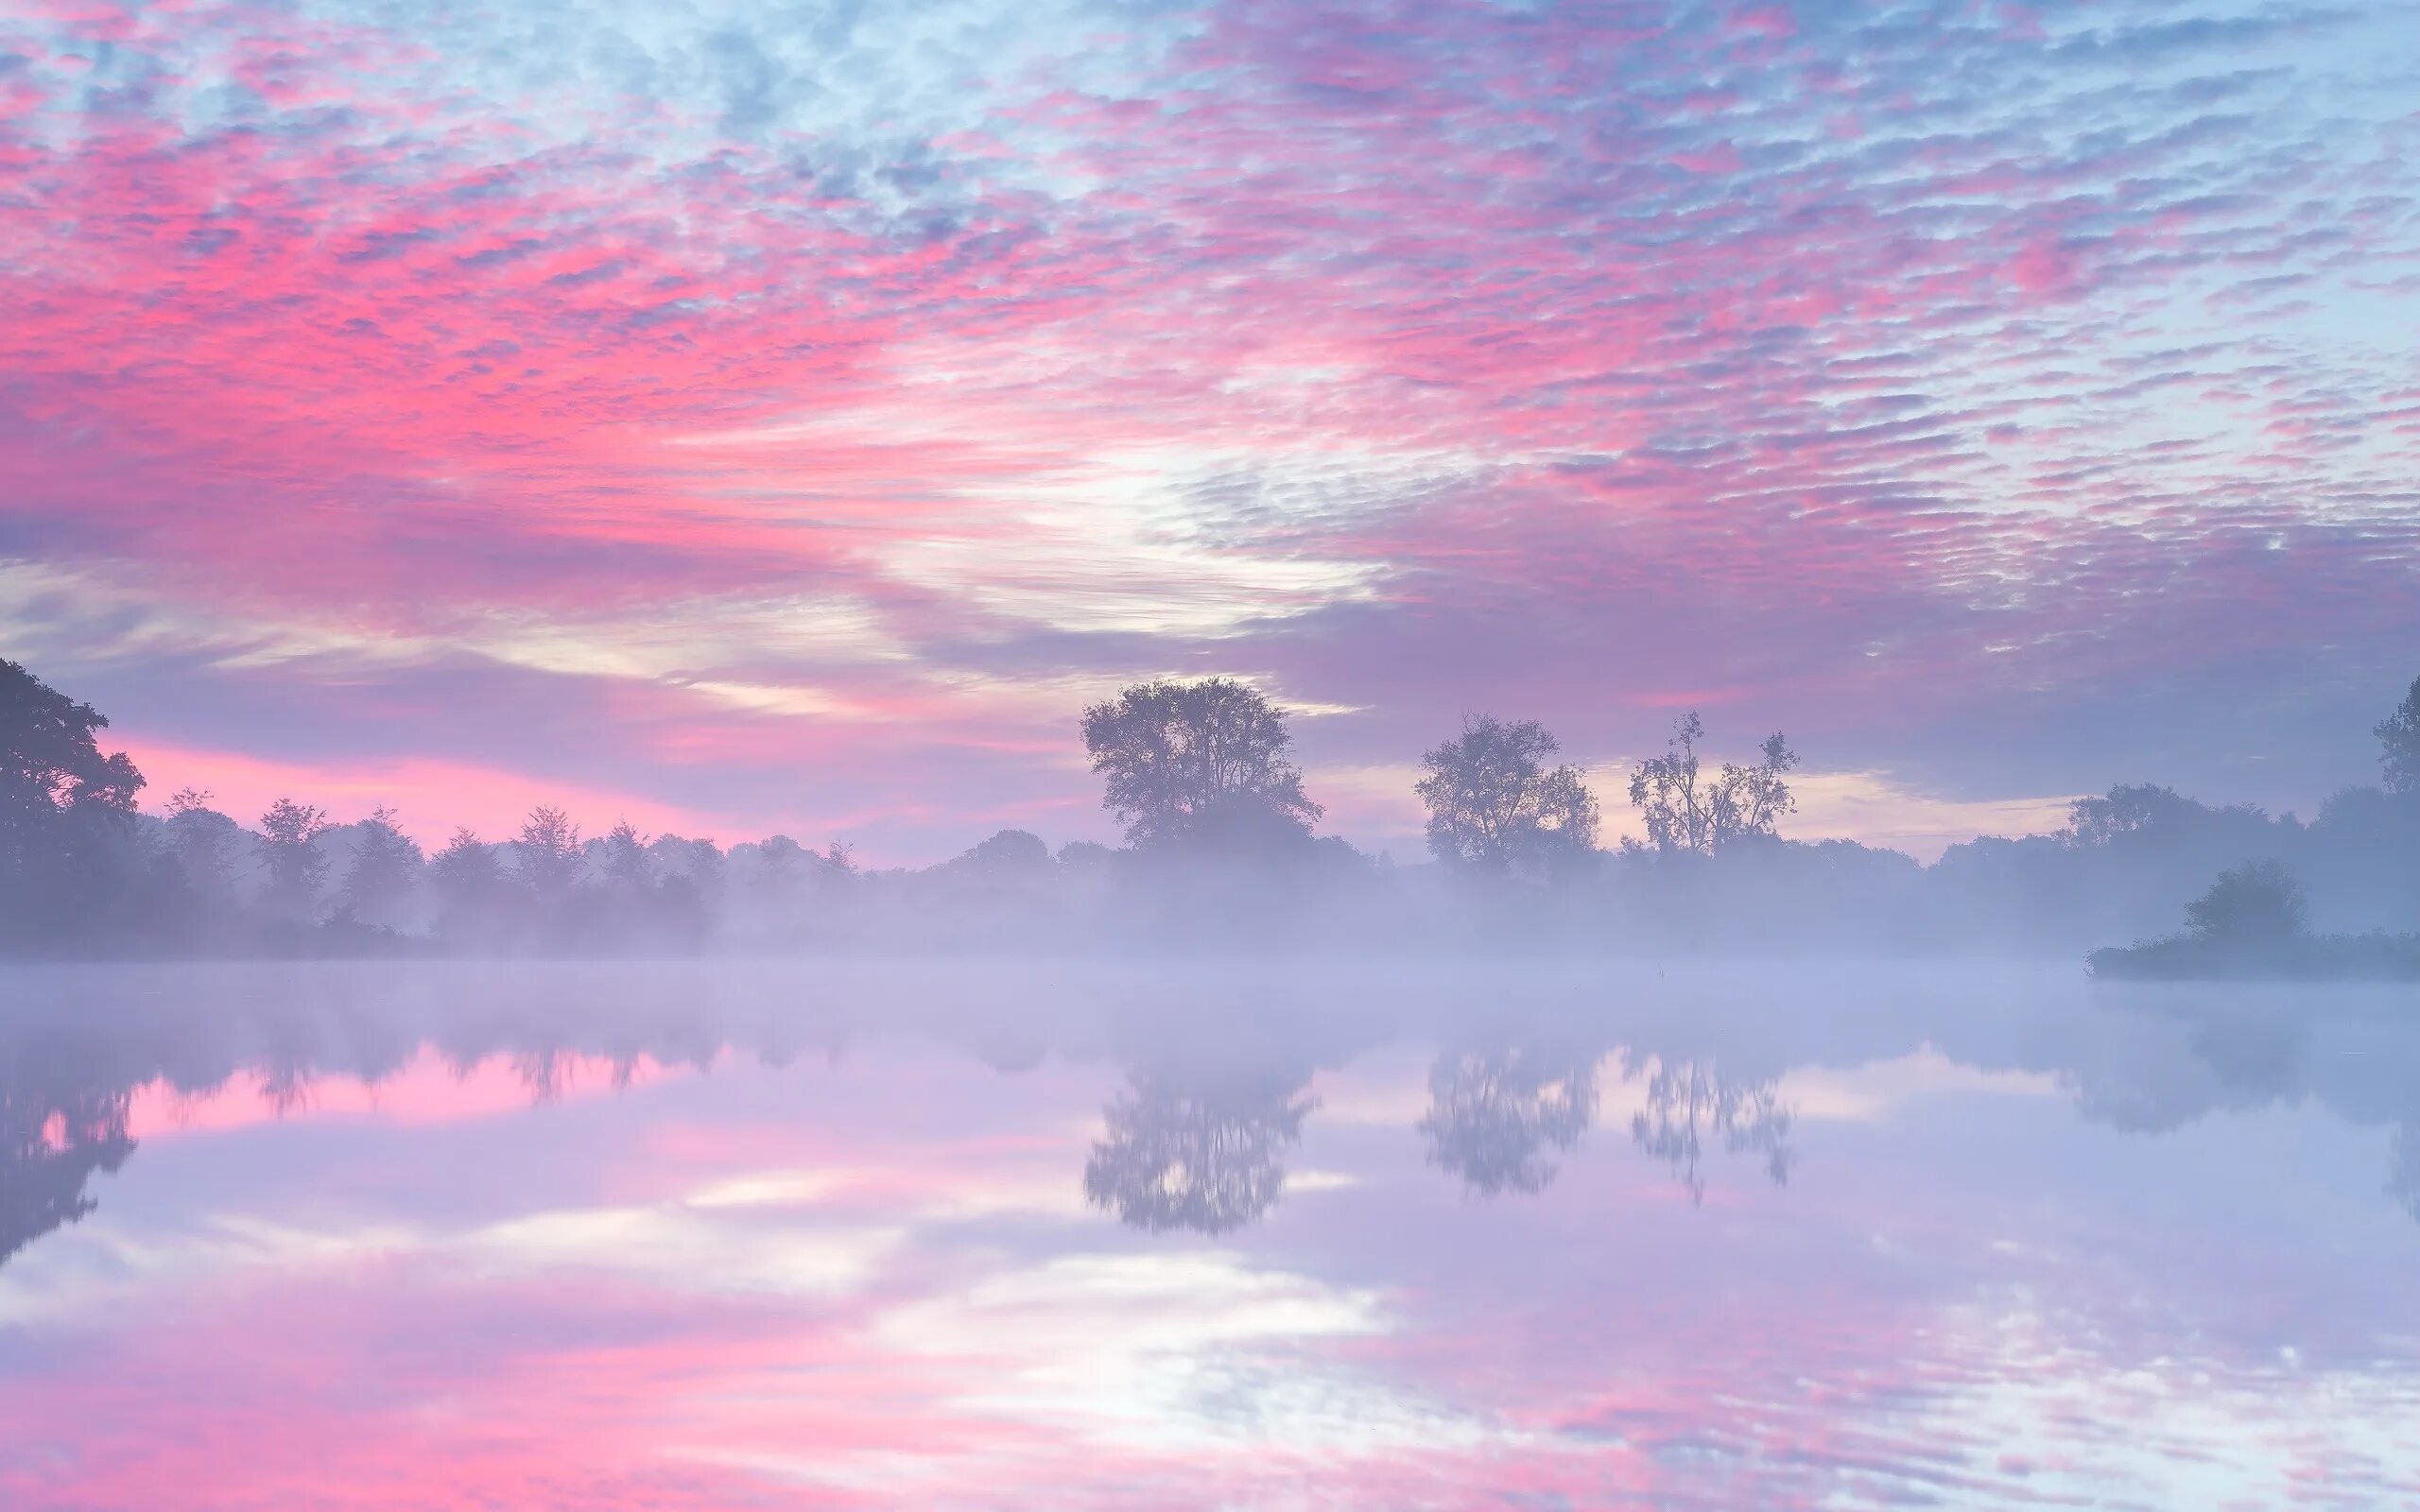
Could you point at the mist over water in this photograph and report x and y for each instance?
(1176, 1232)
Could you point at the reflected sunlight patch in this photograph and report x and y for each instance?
(1872, 1091)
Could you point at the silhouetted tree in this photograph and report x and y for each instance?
(1007, 855)
(2141, 814)
(1688, 1101)
(2256, 904)
(700, 863)
(1207, 1157)
(1198, 761)
(548, 856)
(290, 854)
(469, 879)
(1686, 814)
(2399, 743)
(782, 862)
(1495, 807)
(627, 866)
(65, 810)
(384, 873)
(1494, 1115)
(203, 843)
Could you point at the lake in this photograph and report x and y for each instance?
(1203, 1234)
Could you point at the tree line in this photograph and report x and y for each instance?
(1218, 843)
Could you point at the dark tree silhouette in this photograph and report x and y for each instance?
(1203, 761)
(2258, 903)
(1493, 1116)
(549, 858)
(1684, 813)
(700, 863)
(1689, 1102)
(782, 862)
(469, 879)
(2129, 813)
(384, 873)
(1010, 853)
(204, 843)
(295, 864)
(2399, 743)
(64, 812)
(628, 867)
(1209, 1157)
(1495, 807)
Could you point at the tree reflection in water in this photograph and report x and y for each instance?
(54, 1134)
(1691, 1102)
(1207, 1156)
(1495, 1116)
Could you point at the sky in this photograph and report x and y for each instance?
(747, 417)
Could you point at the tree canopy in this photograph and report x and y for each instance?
(1686, 814)
(60, 802)
(2256, 904)
(1493, 805)
(1197, 761)
(2399, 743)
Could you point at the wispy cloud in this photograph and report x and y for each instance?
(2012, 397)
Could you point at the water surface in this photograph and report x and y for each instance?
(1144, 1235)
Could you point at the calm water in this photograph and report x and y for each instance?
(1022, 1235)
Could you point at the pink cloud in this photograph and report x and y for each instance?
(1851, 329)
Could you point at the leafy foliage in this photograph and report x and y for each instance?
(2256, 904)
(1683, 812)
(1495, 807)
(1198, 761)
(290, 850)
(2399, 743)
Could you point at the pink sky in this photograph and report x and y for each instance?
(741, 423)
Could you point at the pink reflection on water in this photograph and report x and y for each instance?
(430, 1088)
(757, 1290)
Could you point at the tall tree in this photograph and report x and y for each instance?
(1686, 813)
(548, 853)
(1007, 854)
(2399, 743)
(1493, 805)
(290, 850)
(204, 843)
(2130, 813)
(2258, 903)
(1197, 761)
(386, 869)
(64, 809)
(701, 865)
(629, 870)
(469, 883)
